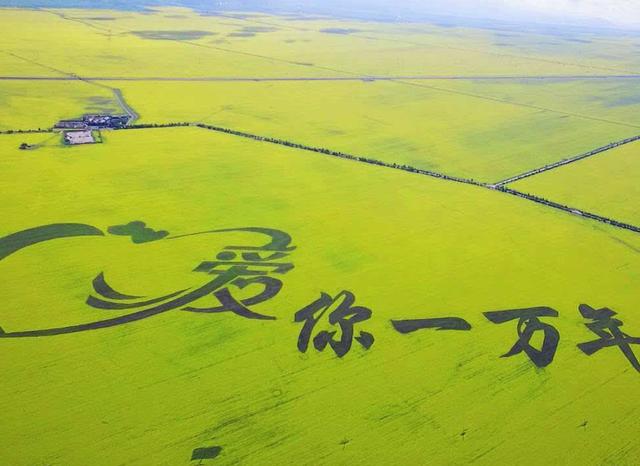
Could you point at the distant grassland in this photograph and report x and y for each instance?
(265, 45)
(407, 245)
(606, 183)
(107, 48)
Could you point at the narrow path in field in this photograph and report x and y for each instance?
(323, 78)
(561, 163)
(410, 169)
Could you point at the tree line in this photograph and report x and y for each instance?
(24, 131)
(566, 208)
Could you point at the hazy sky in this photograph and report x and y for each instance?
(619, 13)
(615, 12)
(607, 13)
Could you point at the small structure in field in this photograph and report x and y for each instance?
(79, 137)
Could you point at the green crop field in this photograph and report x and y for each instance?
(297, 249)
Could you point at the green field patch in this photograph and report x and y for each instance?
(172, 35)
(100, 18)
(344, 31)
(103, 105)
(251, 31)
(241, 34)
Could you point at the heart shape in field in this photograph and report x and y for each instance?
(138, 231)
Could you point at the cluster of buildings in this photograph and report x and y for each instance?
(81, 130)
(94, 122)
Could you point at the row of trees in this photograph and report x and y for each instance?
(147, 125)
(23, 131)
(566, 208)
(155, 125)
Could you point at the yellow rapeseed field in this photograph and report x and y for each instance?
(183, 296)
(407, 246)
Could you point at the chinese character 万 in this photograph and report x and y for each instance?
(528, 324)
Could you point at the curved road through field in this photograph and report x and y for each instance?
(133, 116)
